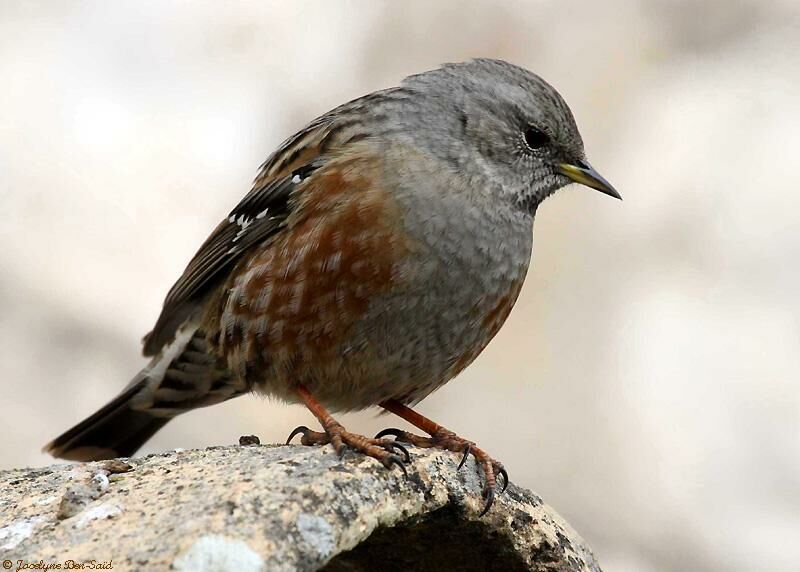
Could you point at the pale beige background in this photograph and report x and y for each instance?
(646, 383)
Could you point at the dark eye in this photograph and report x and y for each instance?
(535, 138)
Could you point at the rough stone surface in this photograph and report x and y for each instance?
(278, 509)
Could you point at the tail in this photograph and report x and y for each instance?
(183, 376)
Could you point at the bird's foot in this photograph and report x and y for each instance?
(388, 451)
(444, 439)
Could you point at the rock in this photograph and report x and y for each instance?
(246, 440)
(278, 509)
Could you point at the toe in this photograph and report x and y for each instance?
(488, 500)
(394, 446)
(394, 460)
(396, 433)
(467, 450)
(297, 431)
(500, 471)
(309, 437)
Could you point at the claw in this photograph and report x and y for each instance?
(488, 494)
(298, 430)
(502, 473)
(467, 449)
(392, 446)
(395, 460)
(396, 433)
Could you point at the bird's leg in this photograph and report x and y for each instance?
(384, 450)
(442, 438)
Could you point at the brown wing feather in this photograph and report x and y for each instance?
(256, 218)
(262, 213)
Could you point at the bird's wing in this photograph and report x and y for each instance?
(261, 213)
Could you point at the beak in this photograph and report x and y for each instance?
(585, 174)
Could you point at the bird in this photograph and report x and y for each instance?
(377, 253)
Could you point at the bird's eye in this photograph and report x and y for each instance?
(535, 138)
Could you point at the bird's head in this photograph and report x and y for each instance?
(505, 126)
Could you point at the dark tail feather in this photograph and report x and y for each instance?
(115, 430)
(185, 375)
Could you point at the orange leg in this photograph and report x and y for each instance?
(445, 439)
(384, 450)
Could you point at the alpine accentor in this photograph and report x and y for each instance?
(378, 252)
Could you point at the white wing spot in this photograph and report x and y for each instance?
(244, 223)
(296, 179)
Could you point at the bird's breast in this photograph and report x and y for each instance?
(374, 290)
(470, 258)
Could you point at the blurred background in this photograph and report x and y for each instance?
(646, 385)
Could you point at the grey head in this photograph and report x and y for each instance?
(501, 126)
